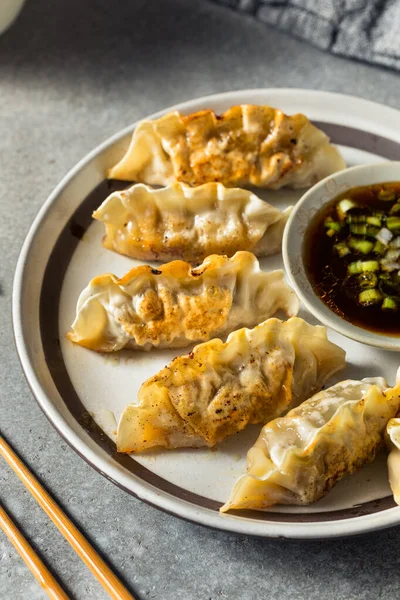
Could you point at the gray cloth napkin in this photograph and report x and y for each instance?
(368, 30)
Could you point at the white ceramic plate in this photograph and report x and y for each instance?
(79, 390)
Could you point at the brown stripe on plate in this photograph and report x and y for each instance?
(49, 309)
(362, 140)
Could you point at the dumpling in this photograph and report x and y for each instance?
(219, 388)
(392, 438)
(175, 305)
(247, 145)
(298, 458)
(190, 223)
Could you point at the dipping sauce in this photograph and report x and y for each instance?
(351, 255)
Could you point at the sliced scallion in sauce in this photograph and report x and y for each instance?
(352, 256)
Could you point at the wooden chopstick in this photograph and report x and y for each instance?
(38, 568)
(85, 551)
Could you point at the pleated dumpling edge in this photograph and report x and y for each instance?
(219, 388)
(190, 223)
(247, 145)
(298, 458)
(175, 305)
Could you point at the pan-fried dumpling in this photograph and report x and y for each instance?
(247, 145)
(220, 388)
(175, 305)
(189, 223)
(392, 438)
(298, 458)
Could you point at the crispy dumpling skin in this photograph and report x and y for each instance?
(189, 223)
(175, 305)
(392, 439)
(298, 458)
(247, 145)
(220, 388)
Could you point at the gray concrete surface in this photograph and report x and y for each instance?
(71, 74)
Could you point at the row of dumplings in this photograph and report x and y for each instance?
(201, 159)
(254, 377)
(266, 368)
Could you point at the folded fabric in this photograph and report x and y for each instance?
(364, 29)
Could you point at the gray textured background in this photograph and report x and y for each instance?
(71, 74)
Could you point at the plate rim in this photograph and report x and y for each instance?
(143, 490)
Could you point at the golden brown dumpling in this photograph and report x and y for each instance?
(180, 221)
(220, 388)
(174, 305)
(298, 458)
(392, 438)
(247, 145)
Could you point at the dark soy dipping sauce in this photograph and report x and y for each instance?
(327, 272)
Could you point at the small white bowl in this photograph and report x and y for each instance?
(292, 246)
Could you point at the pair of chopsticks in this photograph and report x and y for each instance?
(85, 551)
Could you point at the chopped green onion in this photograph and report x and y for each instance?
(389, 304)
(367, 241)
(393, 224)
(363, 266)
(367, 280)
(385, 277)
(358, 228)
(344, 206)
(331, 224)
(374, 220)
(363, 229)
(388, 195)
(395, 210)
(379, 248)
(372, 231)
(355, 268)
(370, 265)
(342, 249)
(356, 219)
(369, 297)
(363, 246)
